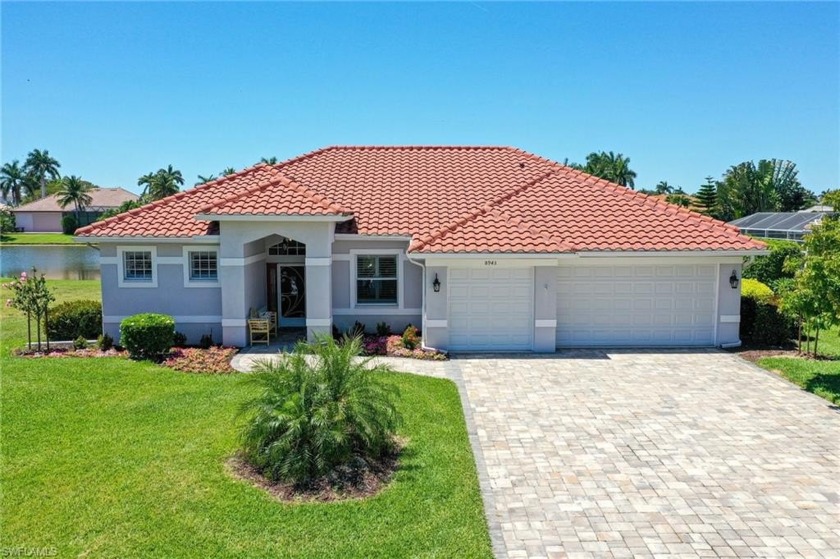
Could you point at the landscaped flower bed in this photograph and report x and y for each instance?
(68, 352)
(196, 360)
(394, 346)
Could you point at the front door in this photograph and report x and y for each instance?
(292, 296)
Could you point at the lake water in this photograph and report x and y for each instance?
(57, 261)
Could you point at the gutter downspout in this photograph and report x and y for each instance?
(422, 300)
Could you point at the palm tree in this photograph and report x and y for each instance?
(13, 182)
(610, 166)
(146, 182)
(269, 160)
(74, 191)
(662, 187)
(163, 183)
(41, 165)
(227, 171)
(204, 180)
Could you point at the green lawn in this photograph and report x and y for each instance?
(36, 239)
(112, 458)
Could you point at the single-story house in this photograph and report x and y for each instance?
(482, 248)
(44, 215)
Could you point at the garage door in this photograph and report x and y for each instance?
(636, 305)
(491, 309)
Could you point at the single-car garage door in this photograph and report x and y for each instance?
(636, 305)
(491, 309)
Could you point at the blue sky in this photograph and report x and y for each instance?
(115, 90)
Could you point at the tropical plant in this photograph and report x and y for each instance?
(33, 297)
(13, 182)
(831, 198)
(319, 411)
(124, 207)
(610, 166)
(163, 183)
(679, 199)
(227, 171)
(706, 197)
(662, 187)
(269, 160)
(204, 180)
(40, 165)
(770, 186)
(74, 191)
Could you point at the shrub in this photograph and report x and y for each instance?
(355, 331)
(382, 329)
(769, 269)
(7, 219)
(147, 335)
(410, 337)
(179, 339)
(71, 319)
(80, 343)
(761, 321)
(375, 345)
(319, 412)
(69, 224)
(104, 342)
(206, 341)
(754, 289)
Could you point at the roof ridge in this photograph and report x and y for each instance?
(156, 203)
(312, 195)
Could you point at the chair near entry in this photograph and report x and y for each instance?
(260, 331)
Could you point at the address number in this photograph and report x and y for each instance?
(489, 262)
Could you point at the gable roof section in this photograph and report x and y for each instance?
(101, 198)
(448, 199)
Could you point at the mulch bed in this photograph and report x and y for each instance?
(361, 481)
(65, 352)
(214, 360)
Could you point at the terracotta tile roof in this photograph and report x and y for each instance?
(448, 199)
(101, 199)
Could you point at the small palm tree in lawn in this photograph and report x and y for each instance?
(74, 191)
(319, 411)
(13, 182)
(40, 165)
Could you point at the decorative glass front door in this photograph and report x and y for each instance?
(292, 296)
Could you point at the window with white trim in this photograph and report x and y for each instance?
(138, 266)
(204, 265)
(376, 279)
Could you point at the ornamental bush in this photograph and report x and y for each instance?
(319, 411)
(71, 319)
(69, 224)
(762, 323)
(147, 335)
(754, 289)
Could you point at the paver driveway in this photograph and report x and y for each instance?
(622, 454)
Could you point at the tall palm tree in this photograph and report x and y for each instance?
(146, 182)
(173, 175)
(163, 183)
(13, 182)
(612, 167)
(74, 191)
(204, 180)
(41, 165)
(662, 187)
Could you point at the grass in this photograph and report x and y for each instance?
(112, 458)
(819, 377)
(36, 239)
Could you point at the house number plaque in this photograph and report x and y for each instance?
(489, 262)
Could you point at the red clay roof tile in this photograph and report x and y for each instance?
(448, 199)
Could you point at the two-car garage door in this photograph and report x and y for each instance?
(636, 306)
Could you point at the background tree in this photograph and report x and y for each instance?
(612, 167)
(831, 198)
(163, 183)
(662, 187)
(13, 182)
(74, 191)
(204, 180)
(40, 165)
(706, 197)
(124, 207)
(770, 186)
(269, 160)
(227, 171)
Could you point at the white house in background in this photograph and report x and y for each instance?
(483, 248)
(45, 215)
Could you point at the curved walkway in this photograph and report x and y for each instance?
(643, 454)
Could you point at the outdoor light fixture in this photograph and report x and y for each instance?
(733, 280)
(436, 284)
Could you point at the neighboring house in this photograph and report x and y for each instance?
(45, 215)
(483, 248)
(790, 226)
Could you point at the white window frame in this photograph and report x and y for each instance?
(122, 282)
(187, 266)
(354, 254)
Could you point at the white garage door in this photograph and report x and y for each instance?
(636, 305)
(491, 309)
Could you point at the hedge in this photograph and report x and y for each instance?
(147, 335)
(762, 324)
(71, 319)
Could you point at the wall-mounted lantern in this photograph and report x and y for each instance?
(436, 284)
(733, 280)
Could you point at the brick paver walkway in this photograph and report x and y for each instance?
(623, 454)
(648, 454)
